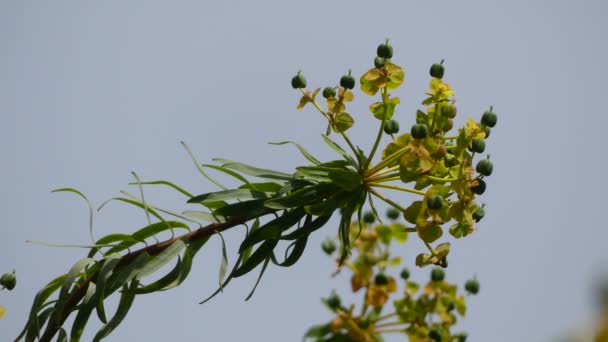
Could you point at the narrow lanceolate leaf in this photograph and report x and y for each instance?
(167, 183)
(340, 150)
(227, 195)
(39, 301)
(82, 318)
(126, 300)
(160, 260)
(204, 216)
(141, 193)
(259, 278)
(245, 209)
(273, 229)
(146, 232)
(307, 228)
(62, 336)
(254, 171)
(69, 281)
(104, 273)
(227, 171)
(224, 263)
(305, 153)
(260, 254)
(132, 202)
(32, 334)
(296, 252)
(302, 197)
(88, 203)
(199, 168)
(165, 280)
(126, 273)
(263, 186)
(247, 252)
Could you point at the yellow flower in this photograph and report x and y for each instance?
(2, 311)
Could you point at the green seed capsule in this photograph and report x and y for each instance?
(8, 280)
(379, 62)
(328, 246)
(298, 81)
(480, 188)
(419, 131)
(385, 50)
(434, 202)
(448, 110)
(450, 160)
(479, 214)
(392, 213)
(380, 279)
(405, 274)
(369, 217)
(435, 335)
(484, 167)
(347, 81)
(334, 301)
(489, 118)
(329, 92)
(437, 70)
(437, 274)
(477, 145)
(472, 286)
(487, 130)
(391, 127)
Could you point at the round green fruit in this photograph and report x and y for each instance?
(347, 81)
(298, 81)
(385, 50)
(392, 213)
(448, 110)
(480, 188)
(437, 70)
(419, 131)
(472, 286)
(334, 301)
(8, 280)
(379, 62)
(487, 130)
(328, 246)
(391, 127)
(450, 160)
(434, 202)
(479, 214)
(489, 118)
(484, 167)
(435, 335)
(329, 92)
(381, 279)
(477, 145)
(437, 274)
(405, 274)
(369, 217)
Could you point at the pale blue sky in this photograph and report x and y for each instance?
(92, 90)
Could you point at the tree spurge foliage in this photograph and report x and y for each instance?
(430, 173)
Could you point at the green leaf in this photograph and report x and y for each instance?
(41, 319)
(39, 301)
(384, 232)
(261, 253)
(307, 228)
(227, 195)
(342, 122)
(126, 300)
(106, 269)
(204, 216)
(253, 171)
(422, 118)
(224, 263)
(273, 229)
(124, 274)
(423, 260)
(318, 331)
(246, 209)
(228, 172)
(82, 318)
(184, 267)
(396, 75)
(334, 146)
(62, 336)
(160, 260)
(73, 273)
(164, 182)
(146, 232)
(430, 232)
(199, 168)
(384, 111)
(302, 197)
(305, 153)
(398, 232)
(264, 187)
(461, 305)
(88, 204)
(164, 281)
(298, 249)
(259, 278)
(247, 252)
(412, 212)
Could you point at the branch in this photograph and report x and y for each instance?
(55, 323)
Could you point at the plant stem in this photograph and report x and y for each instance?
(444, 180)
(389, 324)
(385, 331)
(387, 316)
(380, 131)
(380, 196)
(387, 178)
(396, 155)
(399, 188)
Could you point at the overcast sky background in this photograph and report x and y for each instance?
(91, 90)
